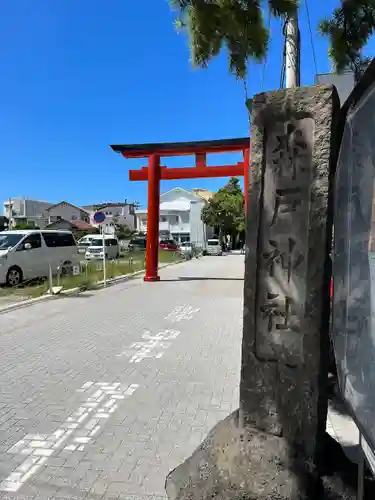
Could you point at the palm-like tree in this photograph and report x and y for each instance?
(239, 25)
(349, 30)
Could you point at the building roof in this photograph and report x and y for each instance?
(65, 203)
(81, 224)
(179, 205)
(100, 206)
(203, 193)
(77, 224)
(181, 148)
(182, 204)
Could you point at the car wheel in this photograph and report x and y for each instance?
(14, 276)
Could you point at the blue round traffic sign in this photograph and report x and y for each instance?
(99, 217)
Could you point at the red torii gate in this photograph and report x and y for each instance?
(154, 172)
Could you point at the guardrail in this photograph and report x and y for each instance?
(81, 274)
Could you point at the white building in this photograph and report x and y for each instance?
(180, 216)
(20, 210)
(122, 214)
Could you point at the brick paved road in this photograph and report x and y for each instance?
(101, 395)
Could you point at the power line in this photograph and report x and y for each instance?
(266, 56)
(311, 36)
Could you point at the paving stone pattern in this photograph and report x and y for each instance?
(78, 419)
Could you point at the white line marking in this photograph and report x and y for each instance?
(38, 447)
(138, 351)
(181, 312)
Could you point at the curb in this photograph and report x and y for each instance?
(71, 291)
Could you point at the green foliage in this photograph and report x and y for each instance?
(124, 232)
(237, 25)
(349, 30)
(225, 210)
(25, 225)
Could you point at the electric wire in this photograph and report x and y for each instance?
(266, 56)
(311, 36)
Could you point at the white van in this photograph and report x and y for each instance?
(214, 247)
(84, 243)
(95, 250)
(28, 254)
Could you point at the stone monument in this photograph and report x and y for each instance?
(271, 448)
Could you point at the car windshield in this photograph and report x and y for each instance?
(85, 243)
(212, 242)
(96, 243)
(9, 240)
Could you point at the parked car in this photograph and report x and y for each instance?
(28, 254)
(84, 243)
(214, 247)
(95, 251)
(168, 245)
(187, 249)
(137, 244)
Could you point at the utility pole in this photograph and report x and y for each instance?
(292, 52)
(10, 213)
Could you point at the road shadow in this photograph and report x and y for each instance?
(200, 278)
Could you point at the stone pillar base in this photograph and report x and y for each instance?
(235, 463)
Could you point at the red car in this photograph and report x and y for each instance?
(168, 245)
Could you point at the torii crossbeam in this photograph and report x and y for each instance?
(154, 172)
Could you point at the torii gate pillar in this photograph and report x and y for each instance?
(154, 172)
(153, 216)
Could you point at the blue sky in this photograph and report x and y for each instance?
(77, 76)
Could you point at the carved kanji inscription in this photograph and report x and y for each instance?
(283, 255)
(289, 259)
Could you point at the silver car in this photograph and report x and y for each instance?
(187, 249)
(214, 247)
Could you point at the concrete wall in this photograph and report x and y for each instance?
(22, 207)
(344, 83)
(197, 227)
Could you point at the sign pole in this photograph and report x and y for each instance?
(99, 218)
(104, 259)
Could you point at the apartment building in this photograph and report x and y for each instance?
(21, 210)
(180, 216)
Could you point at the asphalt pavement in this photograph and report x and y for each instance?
(102, 394)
